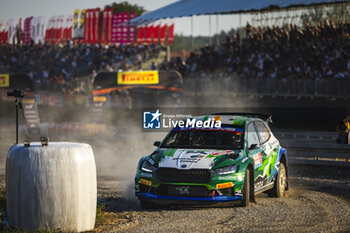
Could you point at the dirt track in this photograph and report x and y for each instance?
(319, 201)
(312, 205)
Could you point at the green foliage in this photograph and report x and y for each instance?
(99, 215)
(126, 7)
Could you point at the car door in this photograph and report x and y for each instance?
(255, 152)
(266, 155)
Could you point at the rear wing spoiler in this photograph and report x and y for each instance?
(263, 116)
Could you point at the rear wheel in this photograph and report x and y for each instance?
(246, 189)
(280, 184)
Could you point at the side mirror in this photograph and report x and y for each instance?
(156, 143)
(254, 146)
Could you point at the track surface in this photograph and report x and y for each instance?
(312, 205)
(318, 200)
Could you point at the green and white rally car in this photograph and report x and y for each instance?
(199, 163)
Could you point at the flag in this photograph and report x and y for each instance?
(162, 32)
(149, 33)
(156, 32)
(170, 34)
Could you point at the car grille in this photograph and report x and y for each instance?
(184, 176)
(183, 190)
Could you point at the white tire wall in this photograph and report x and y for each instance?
(51, 187)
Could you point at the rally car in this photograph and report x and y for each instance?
(203, 165)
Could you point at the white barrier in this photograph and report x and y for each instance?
(52, 187)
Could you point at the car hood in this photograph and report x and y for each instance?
(191, 158)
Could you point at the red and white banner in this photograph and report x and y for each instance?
(163, 27)
(3, 33)
(140, 37)
(149, 33)
(106, 28)
(156, 27)
(37, 30)
(68, 28)
(171, 33)
(96, 28)
(49, 30)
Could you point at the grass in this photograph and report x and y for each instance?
(104, 219)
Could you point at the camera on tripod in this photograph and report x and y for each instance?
(16, 93)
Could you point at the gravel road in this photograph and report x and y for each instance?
(312, 205)
(318, 201)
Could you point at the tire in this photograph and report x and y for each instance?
(246, 189)
(280, 183)
(146, 205)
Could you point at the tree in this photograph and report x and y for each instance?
(126, 7)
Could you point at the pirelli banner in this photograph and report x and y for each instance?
(106, 82)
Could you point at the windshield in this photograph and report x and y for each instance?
(205, 139)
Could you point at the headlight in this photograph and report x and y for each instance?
(225, 170)
(147, 167)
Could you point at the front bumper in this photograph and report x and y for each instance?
(204, 199)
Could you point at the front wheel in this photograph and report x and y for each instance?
(280, 184)
(246, 189)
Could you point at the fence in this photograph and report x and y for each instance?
(267, 87)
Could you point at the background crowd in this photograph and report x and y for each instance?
(58, 66)
(312, 52)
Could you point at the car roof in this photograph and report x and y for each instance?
(229, 119)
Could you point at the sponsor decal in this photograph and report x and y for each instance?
(224, 185)
(222, 152)
(151, 120)
(146, 174)
(225, 177)
(257, 160)
(187, 160)
(151, 161)
(146, 182)
(100, 99)
(183, 190)
(28, 101)
(138, 77)
(4, 80)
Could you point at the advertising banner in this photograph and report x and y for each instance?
(26, 30)
(98, 104)
(31, 115)
(138, 77)
(96, 26)
(75, 29)
(156, 28)
(149, 33)
(131, 29)
(162, 32)
(82, 23)
(68, 28)
(11, 30)
(124, 28)
(4, 80)
(170, 34)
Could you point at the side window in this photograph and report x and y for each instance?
(262, 131)
(252, 135)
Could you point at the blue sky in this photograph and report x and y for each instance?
(14, 9)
